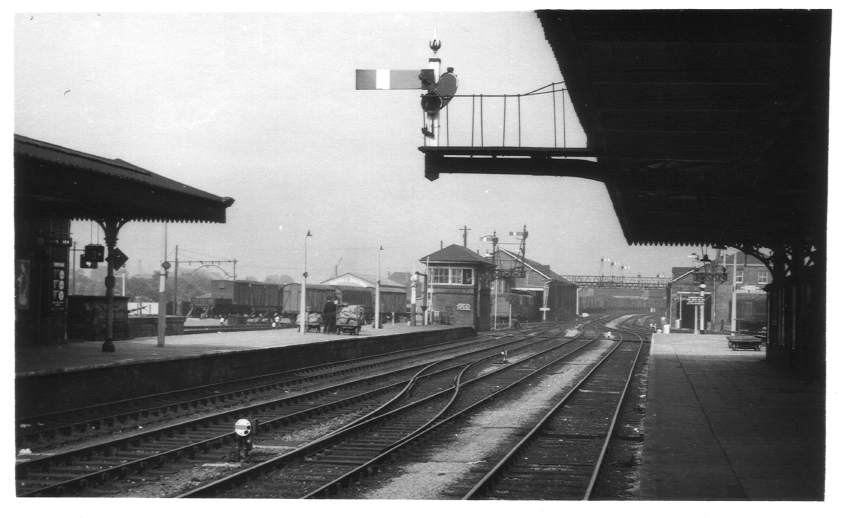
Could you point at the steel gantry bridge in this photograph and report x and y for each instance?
(608, 281)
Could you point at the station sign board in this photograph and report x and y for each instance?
(695, 301)
(60, 288)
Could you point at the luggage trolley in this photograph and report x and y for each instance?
(314, 322)
(349, 319)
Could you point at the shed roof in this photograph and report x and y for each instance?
(361, 280)
(54, 181)
(543, 269)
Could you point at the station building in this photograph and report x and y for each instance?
(749, 293)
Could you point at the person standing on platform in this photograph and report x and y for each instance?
(329, 315)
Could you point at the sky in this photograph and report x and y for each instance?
(262, 108)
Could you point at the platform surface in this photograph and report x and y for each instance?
(85, 355)
(727, 425)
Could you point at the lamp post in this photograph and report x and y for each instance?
(377, 292)
(162, 321)
(413, 281)
(304, 288)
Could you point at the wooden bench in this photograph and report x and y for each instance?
(744, 342)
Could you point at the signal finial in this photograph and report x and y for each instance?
(435, 43)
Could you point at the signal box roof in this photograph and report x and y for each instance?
(456, 254)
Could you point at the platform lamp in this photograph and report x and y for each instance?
(303, 307)
(695, 257)
(705, 260)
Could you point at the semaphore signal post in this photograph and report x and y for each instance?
(439, 91)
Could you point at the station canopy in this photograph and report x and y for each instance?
(53, 181)
(709, 126)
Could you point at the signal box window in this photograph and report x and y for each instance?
(444, 275)
(439, 275)
(467, 276)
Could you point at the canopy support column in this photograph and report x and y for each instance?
(110, 227)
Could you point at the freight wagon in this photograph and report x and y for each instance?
(239, 297)
(392, 299)
(259, 298)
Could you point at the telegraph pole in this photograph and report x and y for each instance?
(495, 284)
(465, 230)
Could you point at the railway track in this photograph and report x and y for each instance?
(353, 451)
(80, 468)
(43, 432)
(561, 456)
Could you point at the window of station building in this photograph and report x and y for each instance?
(763, 277)
(446, 275)
(739, 276)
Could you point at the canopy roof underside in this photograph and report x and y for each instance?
(709, 126)
(52, 181)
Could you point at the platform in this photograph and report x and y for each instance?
(50, 378)
(86, 355)
(727, 425)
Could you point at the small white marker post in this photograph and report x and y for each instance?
(243, 429)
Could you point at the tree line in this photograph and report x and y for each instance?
(145, 288)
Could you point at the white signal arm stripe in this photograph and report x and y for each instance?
(381, 80)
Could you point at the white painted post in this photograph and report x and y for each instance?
(413, 280)
(377, 293)
(303, 308)
(734, 294)
(162, 321)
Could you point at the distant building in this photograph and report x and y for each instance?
(751, 277)
(355, 288)
(546, 288)
(361, 281)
